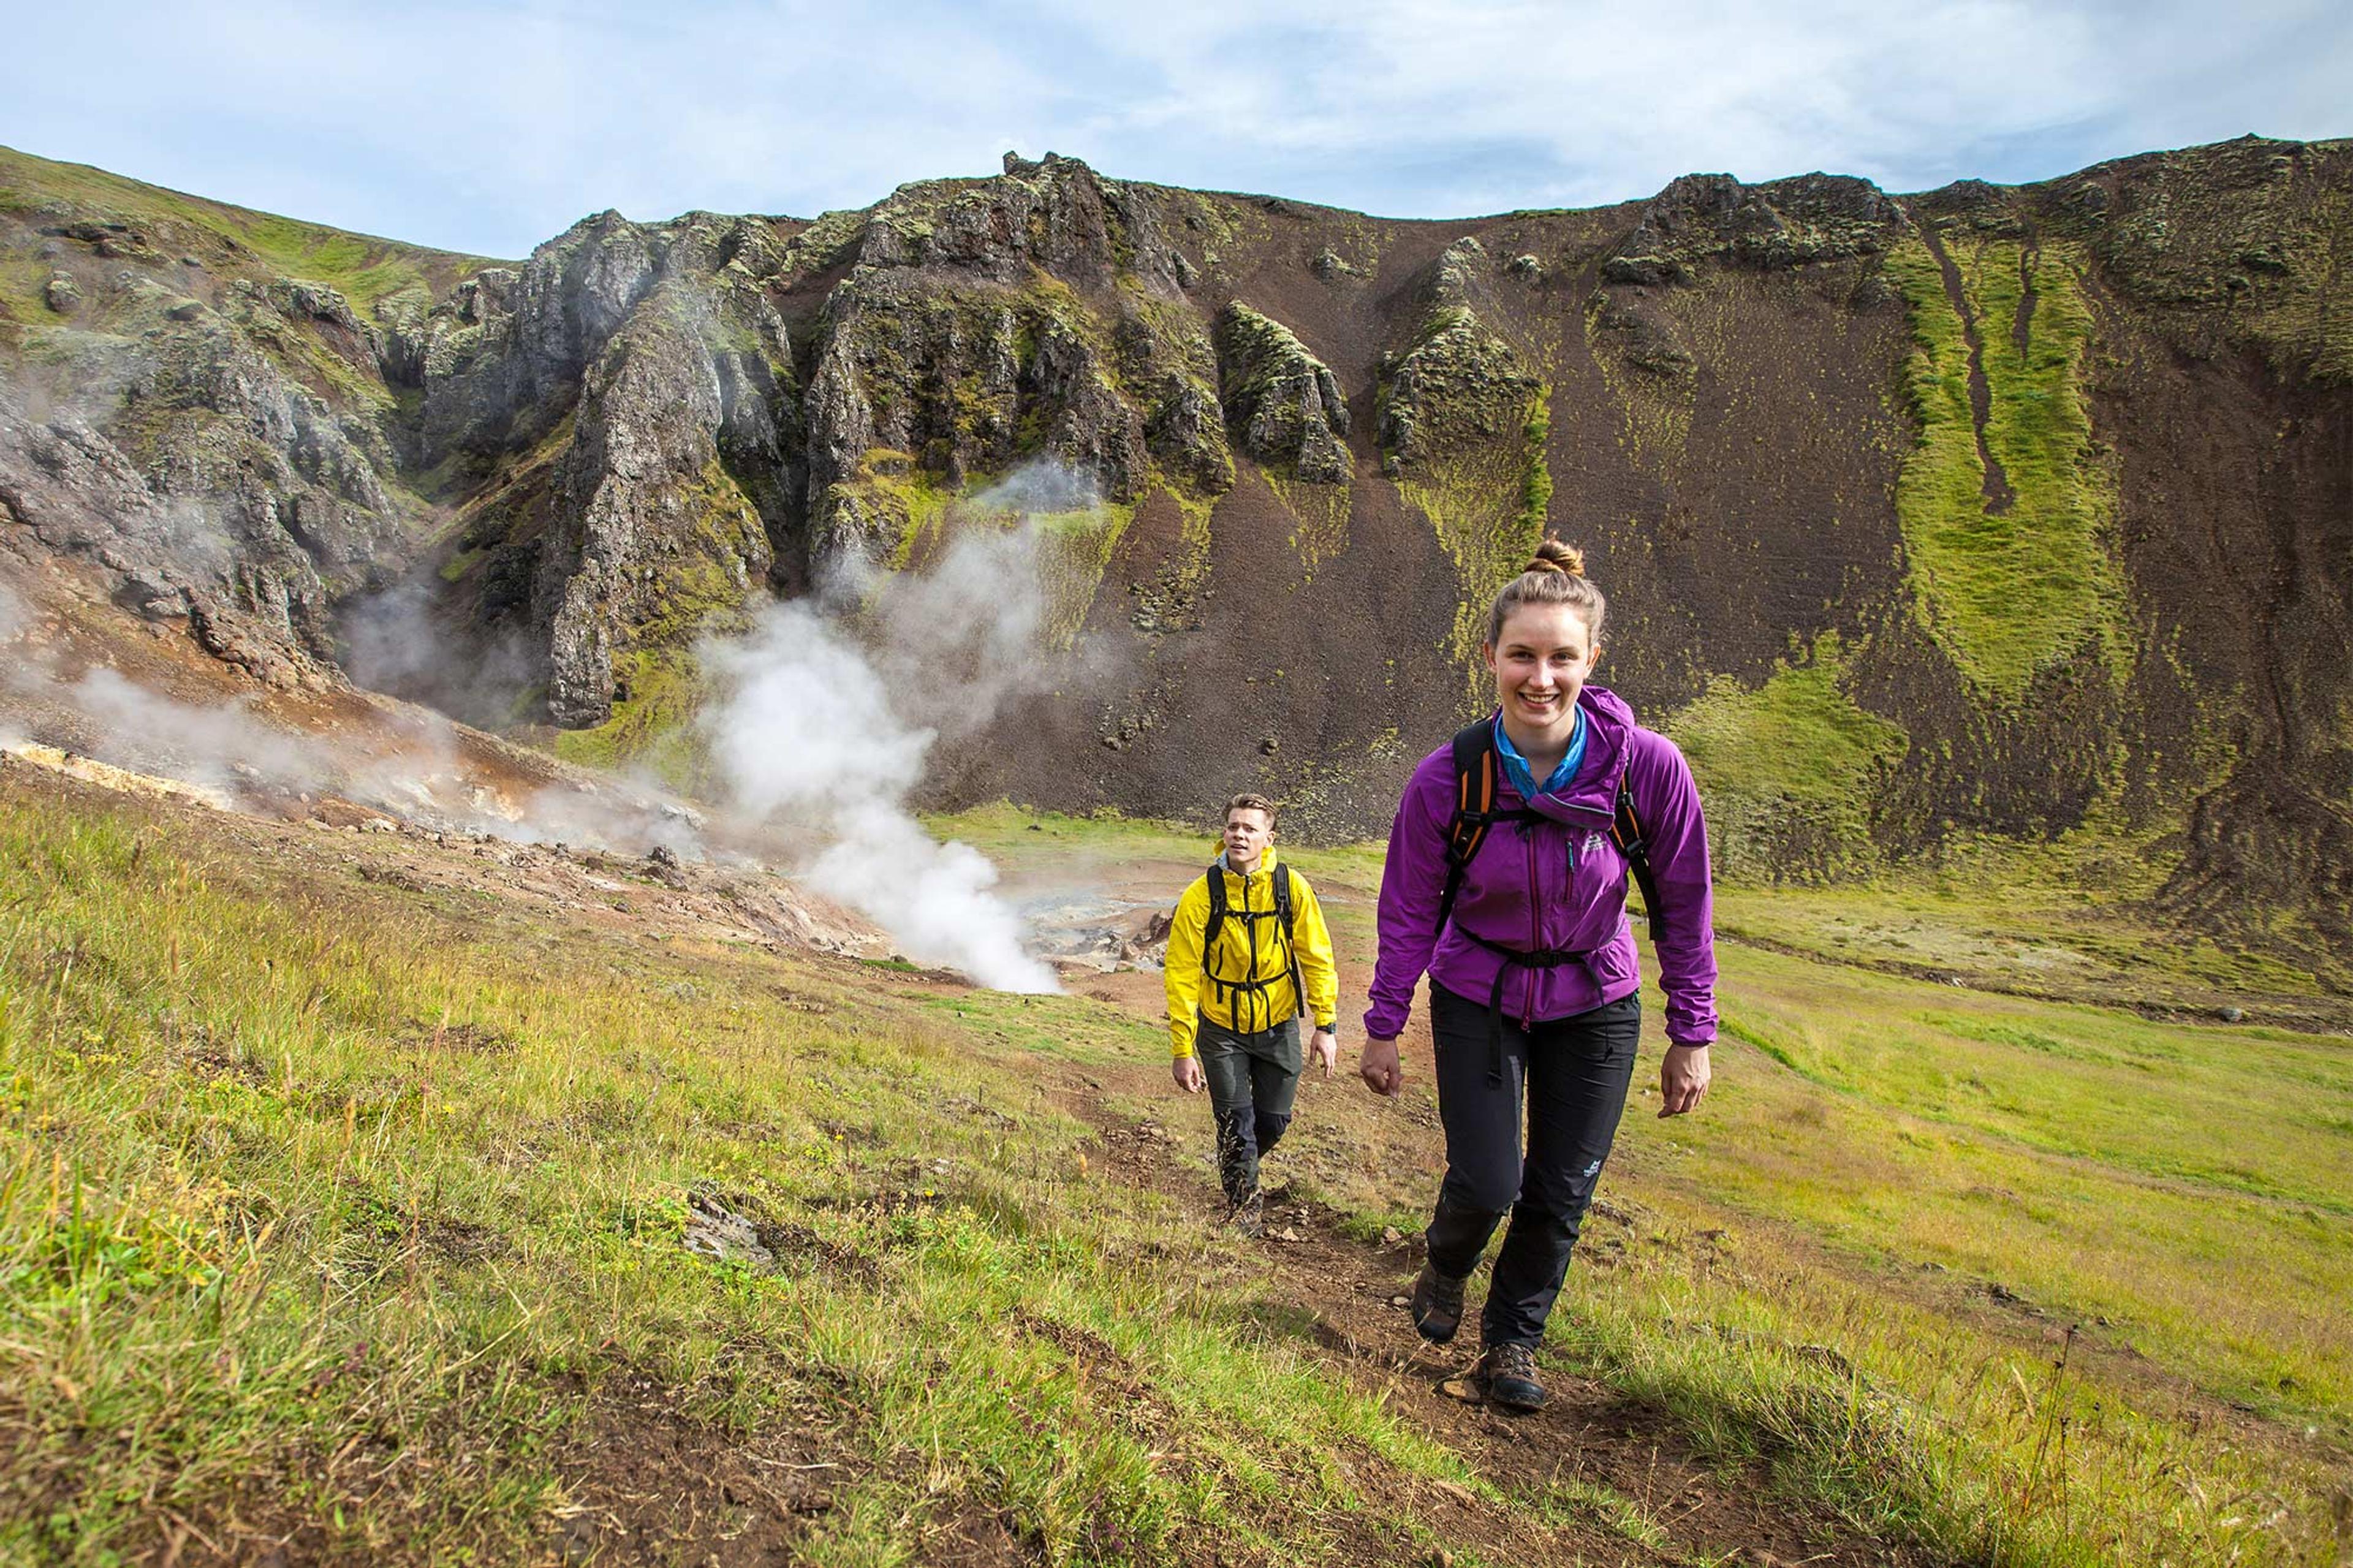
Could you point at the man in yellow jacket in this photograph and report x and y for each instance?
(1236, 993)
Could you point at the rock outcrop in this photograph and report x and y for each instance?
(175, 447)
(1781, 223)
(1457, 383)
(1283, 403)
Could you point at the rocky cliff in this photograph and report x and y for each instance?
(1986, 513)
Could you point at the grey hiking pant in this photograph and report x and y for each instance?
(1253, 1079)
(1573, 1074)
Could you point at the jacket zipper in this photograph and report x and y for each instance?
(1251, 926)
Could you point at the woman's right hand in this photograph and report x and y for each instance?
(1380, 1067)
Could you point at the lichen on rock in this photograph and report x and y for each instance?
(1777, 224)
(1282, 404)
(1457, 383)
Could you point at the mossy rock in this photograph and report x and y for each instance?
(1282, 404)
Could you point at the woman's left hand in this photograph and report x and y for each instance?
(1682, 1079)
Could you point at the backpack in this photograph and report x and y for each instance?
(1475, 766)
(1220, 912)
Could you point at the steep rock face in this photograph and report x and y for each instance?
(664, 501)
(984, 323)
(1283, 402)
(2031, 500)
(209, 443)
(496, 360)
(651, 533)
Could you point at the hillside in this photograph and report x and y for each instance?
(1988, 513)
(365, 1196)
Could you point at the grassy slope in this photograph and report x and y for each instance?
(1935, 1184)
(296, 1181)
(365, 270)
(303, 1180)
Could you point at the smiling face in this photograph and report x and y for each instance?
(1540, 663)
(1248, 833)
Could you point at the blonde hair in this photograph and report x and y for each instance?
(1556, 576)
(1248, 803)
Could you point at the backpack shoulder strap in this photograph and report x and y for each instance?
(1282, 917)
(1475, 807)
(1217, 878)
(1626, 827)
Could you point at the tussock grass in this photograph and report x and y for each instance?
(303, 1191)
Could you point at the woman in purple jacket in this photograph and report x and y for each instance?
(1533, 993)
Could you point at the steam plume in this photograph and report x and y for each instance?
(813, 724)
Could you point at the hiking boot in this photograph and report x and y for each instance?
(1510, 1373)
(1436, 1305)
(1249, 1217)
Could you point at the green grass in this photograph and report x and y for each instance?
(1806, 1273)
(2008, 593)
(305, 1188)
(1482, 499)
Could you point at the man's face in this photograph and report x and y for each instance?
(1248, 833)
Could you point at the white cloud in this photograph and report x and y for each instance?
(491, 128)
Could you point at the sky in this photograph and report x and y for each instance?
(490, 127)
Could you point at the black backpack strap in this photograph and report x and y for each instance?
(1283, 917)
(1626, 827)
(1217, 875)
(1474, 808)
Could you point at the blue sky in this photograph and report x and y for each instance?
(491, 126)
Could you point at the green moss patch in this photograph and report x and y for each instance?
(2006, 591)
(653, 728)
(1787, 769)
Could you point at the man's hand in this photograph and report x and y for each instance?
(1325, 1047)
(1380, 1067)
(1682, 1079)
(1187, 1071)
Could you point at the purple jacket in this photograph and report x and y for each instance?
(1521, 891)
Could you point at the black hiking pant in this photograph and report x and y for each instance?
(1253, 1079)
(1572, 1074)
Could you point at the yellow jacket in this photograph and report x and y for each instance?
(1246, 950)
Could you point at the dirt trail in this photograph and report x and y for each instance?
(1337, 1295)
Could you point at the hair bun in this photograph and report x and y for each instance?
(1552, 555)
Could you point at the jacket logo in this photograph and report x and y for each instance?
(1593, 841)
